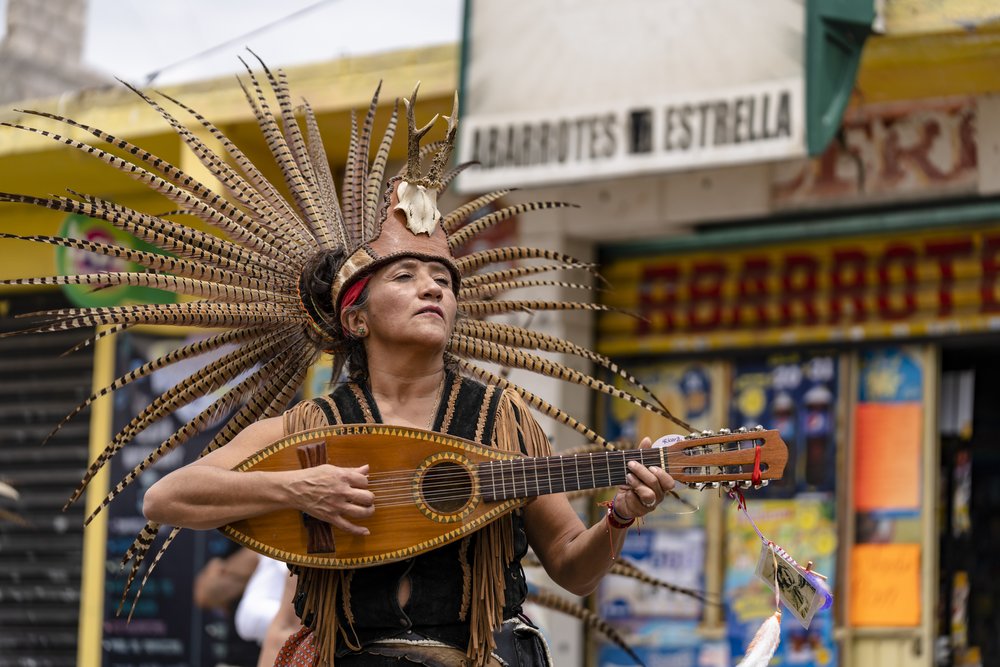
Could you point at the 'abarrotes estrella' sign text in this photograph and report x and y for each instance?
(752, 124)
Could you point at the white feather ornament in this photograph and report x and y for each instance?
(764, 643)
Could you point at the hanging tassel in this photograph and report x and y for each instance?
(764, 643)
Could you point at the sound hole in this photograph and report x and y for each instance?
(446, 487)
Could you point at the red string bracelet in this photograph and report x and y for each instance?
(616, 520)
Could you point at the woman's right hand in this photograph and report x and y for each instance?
(334, 495)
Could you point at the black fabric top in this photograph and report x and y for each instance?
(467, 409)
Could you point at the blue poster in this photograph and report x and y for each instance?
(796, 394)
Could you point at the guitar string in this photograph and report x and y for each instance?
(601, 458)
(445, 490)
(559, 466)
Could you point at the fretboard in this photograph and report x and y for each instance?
(529, 477)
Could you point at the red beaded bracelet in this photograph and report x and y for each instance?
(616, 520)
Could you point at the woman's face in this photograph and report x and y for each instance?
(410, 302)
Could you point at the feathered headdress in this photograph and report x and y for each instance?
(254, 285)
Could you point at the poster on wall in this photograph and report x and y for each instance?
(805, 527)
(888, 445)
(166, 628)
(686, 389)
(796, 394)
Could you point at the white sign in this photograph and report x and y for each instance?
(573, 90)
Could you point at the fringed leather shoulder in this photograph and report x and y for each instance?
(516, 429)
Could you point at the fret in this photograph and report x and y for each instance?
(576, 468)
(524, 477)
(493, 478)
(538, 489)
(562, 472)
(663, 453)
(607, 465)
(503, 484)
(593, 479)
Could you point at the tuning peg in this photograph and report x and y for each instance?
(724, 431)
(707, 434)
(697, 486)
(711, 485)
(692, 435)
(746, 484)
(742, 429)
(764, 482)
(758, 427)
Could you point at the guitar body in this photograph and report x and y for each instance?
(426, 491)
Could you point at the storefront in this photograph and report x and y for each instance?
(862, 351)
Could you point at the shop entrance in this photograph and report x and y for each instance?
(968, 612)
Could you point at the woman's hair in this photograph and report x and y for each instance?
(316, 287)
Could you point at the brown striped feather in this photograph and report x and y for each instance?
(210, 378)
(325, 184)
(480, 308)
(275, 211)
(477, 260)
(514, 358)
(624, 568)
(296, 144)
(233, 183)
(475, 227)
(188, 286)
(283, 158)
(520, 272)
(374, 187)
(514, 336)
(150, 260)
(205, 419)
(182, 353)
(454, 219)
(189, 202)
(489, 289)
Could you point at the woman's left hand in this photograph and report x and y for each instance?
(644, 487)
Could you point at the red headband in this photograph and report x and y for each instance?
(352, 293)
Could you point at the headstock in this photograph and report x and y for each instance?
(725, 458)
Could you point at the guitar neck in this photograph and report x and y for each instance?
(529, 477)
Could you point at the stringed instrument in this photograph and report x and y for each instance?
(431, 489)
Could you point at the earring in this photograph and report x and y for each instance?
(362, 331)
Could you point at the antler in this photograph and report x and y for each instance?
(412, 173)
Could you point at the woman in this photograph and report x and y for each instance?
(402, 320)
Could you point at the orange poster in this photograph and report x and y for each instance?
(887, 456)
(885, 585)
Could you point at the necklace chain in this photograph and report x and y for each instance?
(435, 405)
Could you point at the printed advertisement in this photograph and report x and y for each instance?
(795, 394)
